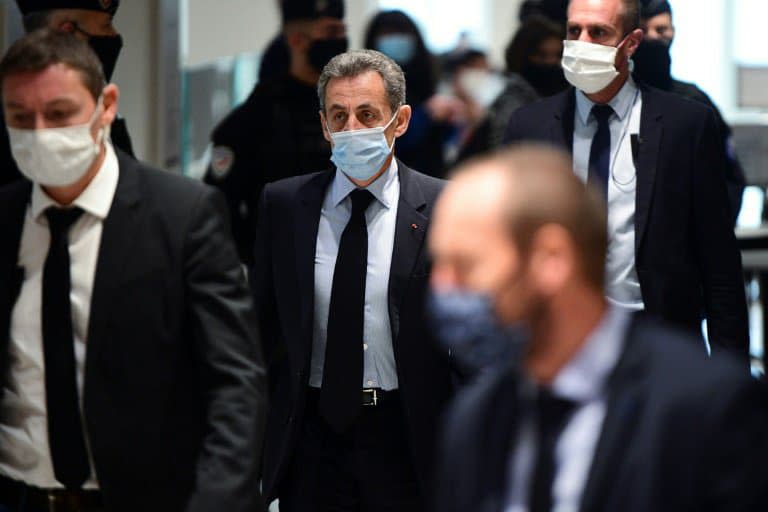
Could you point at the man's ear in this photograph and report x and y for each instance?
(551, 262)
(633, 41)
(109, 99)
(326, 135)
(403, 120)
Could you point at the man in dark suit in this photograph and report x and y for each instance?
(131, 369)
(600, 411)
(356, 387)
(90, 20)
(659, 162)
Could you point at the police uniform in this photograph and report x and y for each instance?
(9, 172)
(275, 134)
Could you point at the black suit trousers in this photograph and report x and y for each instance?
(366, 469)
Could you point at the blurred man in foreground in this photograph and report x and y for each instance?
(601, 410)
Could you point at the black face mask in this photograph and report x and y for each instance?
(106, 48)
(653, 63)
(546, 79)
(323, 50)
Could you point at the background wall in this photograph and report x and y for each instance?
(135, 75)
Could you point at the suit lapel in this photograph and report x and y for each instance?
(651, 132)
(625, 404)
(410, 227)
(120, 228)
(307, 221)
(561, 131)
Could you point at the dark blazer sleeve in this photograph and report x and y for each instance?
(719, 257)
(221, 315)
(262, 279)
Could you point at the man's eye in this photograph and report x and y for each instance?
(58, 115)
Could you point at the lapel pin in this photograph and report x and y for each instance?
(414, 226)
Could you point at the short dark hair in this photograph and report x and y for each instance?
(42, 48)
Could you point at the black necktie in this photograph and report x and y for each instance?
(552, 413)
(340, 395)
(65, 431)
(600, 152)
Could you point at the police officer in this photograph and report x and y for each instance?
(276, 132)
(90, 20)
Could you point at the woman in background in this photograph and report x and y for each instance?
(395, 35)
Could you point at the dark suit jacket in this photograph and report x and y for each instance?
(685, 249)
(682, 432)
(283, 280)
(174, 396)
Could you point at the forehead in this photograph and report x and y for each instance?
(586, 12)
(349, 92)
(33, 87)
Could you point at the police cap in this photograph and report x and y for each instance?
(651, 8)
(294, 10)
(107, 6)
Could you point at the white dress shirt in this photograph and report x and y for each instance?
(581, 381)
(622, 284)
(24, 449)
(379, 369)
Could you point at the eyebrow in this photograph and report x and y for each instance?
(589, 26)
(59, 102)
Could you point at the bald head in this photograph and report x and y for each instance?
(496, 208)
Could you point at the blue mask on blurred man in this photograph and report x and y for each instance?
(466, 324)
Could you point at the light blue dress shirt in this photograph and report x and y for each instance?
(379, 369)
(622, 287)
(582, 381)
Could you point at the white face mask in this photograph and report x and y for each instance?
(361, 153)
(482, 86)
(57, 157)
(589, 67)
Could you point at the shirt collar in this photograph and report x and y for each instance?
(583, 377)
(621, 103)
(383, 189)
(97, 197)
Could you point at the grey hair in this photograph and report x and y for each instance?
(355, 63)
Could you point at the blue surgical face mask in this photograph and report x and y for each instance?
(466, 324)
(361, 153)
(399, 47)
